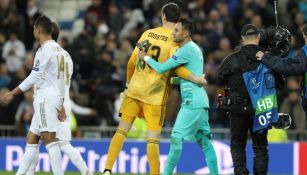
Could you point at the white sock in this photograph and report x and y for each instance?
(31, 169)
(74, 155)
(55, 158)
(28, 157)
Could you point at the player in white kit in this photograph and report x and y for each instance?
(49, 92)
(64, 131)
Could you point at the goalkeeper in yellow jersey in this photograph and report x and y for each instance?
(147, 90)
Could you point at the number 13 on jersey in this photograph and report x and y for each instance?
(145, 46)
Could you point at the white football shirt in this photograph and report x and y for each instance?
(47, 72)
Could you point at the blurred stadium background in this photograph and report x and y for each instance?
(100, 36)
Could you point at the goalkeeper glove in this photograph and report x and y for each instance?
(175, 80)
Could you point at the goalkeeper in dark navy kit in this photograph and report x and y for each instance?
(251, 101)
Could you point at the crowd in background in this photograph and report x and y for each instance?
(112, 27)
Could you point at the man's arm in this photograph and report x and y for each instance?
(8, 97)
(80, 110)
(131, 64)
(38, 69)
(223, 71)
(161, 68)
(184, 73)
(287, 66)
(172, 62)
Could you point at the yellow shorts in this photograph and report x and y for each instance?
(153, 114)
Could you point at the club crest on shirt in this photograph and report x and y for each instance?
(37, 63)
(254, 83)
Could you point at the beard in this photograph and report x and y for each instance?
(178, 40)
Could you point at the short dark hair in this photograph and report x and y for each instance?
(187, 25)
(45, 23)
(55, 31)
(172, 12)
(304, 29)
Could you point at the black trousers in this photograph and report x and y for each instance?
(240, 125)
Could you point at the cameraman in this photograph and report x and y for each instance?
(290, 66)
(230, 75)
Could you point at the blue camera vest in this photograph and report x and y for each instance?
(260, 85)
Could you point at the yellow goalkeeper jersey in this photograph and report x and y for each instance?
(145, 84)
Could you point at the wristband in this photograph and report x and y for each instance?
(175, 80)
(146, 58)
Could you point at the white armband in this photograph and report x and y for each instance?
(146, 58)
